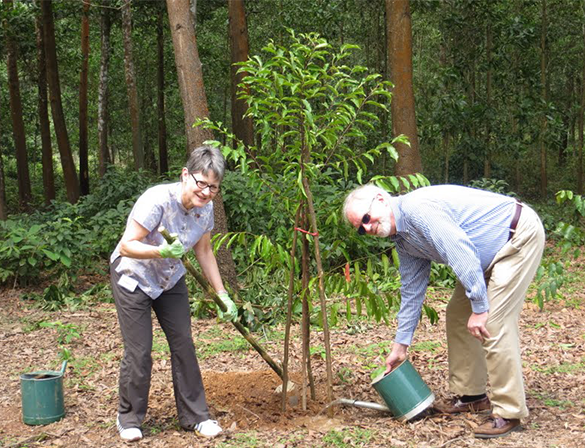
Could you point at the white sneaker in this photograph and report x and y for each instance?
(208, 428)
(128, 434)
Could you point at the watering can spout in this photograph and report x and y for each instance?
(63, 366)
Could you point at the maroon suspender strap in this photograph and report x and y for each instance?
(515, 220)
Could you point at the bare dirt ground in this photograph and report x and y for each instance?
(240, 386)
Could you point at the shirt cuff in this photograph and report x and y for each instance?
(479, 306)
(403, 337)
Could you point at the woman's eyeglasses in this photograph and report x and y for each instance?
(203, 185)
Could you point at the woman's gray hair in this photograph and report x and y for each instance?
(206, 159)
(364, 193)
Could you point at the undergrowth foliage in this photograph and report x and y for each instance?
(68, 238)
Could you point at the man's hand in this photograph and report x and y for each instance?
(476, 326)
(397, 355)
(174, 250)
(232, 311)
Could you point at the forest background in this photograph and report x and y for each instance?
(98, 101)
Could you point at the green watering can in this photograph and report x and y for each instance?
(404, 391)
(42, 396)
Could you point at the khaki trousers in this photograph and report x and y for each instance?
(472, 363)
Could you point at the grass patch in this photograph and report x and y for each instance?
(426, 346)
(241, 440)
(552, 402)
(565, 367)
(210, 348)
(348, 437)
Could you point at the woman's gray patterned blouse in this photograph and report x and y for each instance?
(161, 205)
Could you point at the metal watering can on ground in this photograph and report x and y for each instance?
(42, 396)
(404, 391)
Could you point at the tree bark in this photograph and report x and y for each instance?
(103, 151)
(69, 171)
(189, 71)
(137, 146)
(3, 205)
(400, 68)
(18, 132)
(163, 162)
(487, 163)
(581, 119)
(83, 156)
(543, 124)
(238, 31)
(195, 106)
(44, 124)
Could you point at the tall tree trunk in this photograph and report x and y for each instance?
(69, 171)
(471, 124)
(3, 205)
(44, 124)
(163, 157)
(543, 124)
(195, 106)
(137, 146)
(18, 132)
(580, 177)
(103, 151)
(487, 166)
(189, 71)
(400, 68)
(567, 117)
(83, 157)
(238, 31)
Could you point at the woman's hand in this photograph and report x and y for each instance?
(174, 250)
(232, 310)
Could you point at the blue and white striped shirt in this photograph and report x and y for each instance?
(461, 227)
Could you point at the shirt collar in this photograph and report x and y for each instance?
(395, 202)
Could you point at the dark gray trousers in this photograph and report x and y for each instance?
(173, 313)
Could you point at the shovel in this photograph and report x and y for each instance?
(210, 293)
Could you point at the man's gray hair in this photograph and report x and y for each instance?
(206, 159)
(365, 192)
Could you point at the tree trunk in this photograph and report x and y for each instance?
(103, 151)
(18, 132)
(3, 206)
(44, 124)
(189, 71)
(580, 179)
(163, 161)
(69, 171)
(238, 31)
(194, 100)
(543, 124)
(83, 157)
(137, 146)
(400, 68)
(487, 166)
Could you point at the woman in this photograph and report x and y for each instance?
(146, 273)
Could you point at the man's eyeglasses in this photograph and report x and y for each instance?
(365, 219)
(203, 185)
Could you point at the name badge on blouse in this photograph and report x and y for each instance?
(127, 283)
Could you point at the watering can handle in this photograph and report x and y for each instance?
(63, 367)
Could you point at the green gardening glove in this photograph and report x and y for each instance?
(232, 311)
(173, 250)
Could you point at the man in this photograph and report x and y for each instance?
(494, 245)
